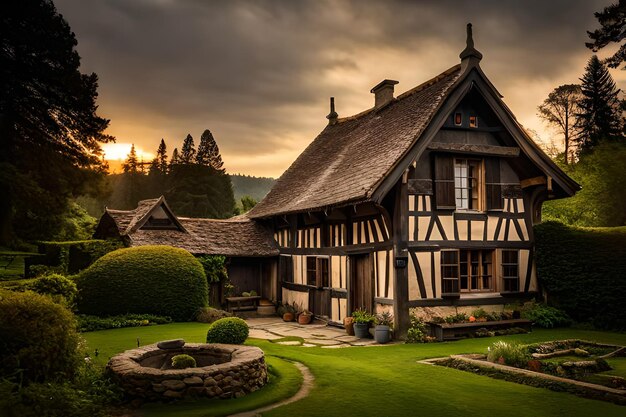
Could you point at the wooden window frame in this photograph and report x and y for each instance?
(480, 184)
(458, 119)
(451, 285)
(479, 256)
(507, 287)
(318, 271)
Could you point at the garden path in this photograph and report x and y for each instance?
(317, 333)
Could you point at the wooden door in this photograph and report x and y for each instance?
(362, 283)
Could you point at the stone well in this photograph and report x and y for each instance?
(224, 371)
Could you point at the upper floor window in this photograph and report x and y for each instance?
(468, 183)
(458, 119)
(473, 121)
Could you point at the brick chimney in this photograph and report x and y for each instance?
(383, 92)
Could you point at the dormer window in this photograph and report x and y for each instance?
(458, 119)
(473, 121)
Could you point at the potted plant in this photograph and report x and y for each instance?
(305, 317)
(362, 321)
(382, 331)
(287, 312)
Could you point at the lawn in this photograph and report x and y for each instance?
(377, 381)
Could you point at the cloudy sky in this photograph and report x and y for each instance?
(258, 74)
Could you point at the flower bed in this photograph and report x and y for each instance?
(585, 368)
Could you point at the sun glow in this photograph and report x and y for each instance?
(120, 151)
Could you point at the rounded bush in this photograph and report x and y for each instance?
(210, 315)
(230, 330)
(57, 286)
(159, 280)
(183, 361)
(38, 338)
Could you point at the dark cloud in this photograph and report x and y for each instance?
(259, 73)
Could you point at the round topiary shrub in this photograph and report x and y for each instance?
(230, 330)
(159, 280)
(183, 361)
(57, 286)
(38, 338)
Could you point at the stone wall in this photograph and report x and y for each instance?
(244, 373)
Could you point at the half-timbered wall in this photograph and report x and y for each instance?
(501, 222)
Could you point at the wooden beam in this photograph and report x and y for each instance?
(466, 148)
(529, 182)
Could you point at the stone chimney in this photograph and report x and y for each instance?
(383, 92)
(332, 116)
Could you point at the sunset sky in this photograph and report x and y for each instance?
(258, 74)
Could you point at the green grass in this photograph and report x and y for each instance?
(618, 365)
(385, 381)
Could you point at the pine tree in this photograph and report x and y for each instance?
(599, 117)
(130, 165)
(612, 26)
(175, 159)
(161, 157)
(154, 167)
(202, 157)
(188, 151)
(209, 152)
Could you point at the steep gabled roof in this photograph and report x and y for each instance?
(346, 162)
(238, 236)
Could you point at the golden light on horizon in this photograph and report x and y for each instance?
(119, 152)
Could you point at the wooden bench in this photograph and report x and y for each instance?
(454, 331)
(242, 303)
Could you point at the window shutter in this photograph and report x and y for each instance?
(493, 186)
(444, 182)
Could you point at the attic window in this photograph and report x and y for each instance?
(473, 121)
(458, 119)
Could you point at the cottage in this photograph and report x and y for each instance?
(426, 199)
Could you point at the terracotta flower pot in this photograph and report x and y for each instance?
(305, 318)
(288, 317)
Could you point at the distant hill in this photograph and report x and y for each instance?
(255, 187)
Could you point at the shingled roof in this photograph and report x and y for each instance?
(347, 161)
(238, 236)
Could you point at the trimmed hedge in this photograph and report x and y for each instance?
(57, 286)
(159, 280)
(230, 330)
(69, 257)
(583, 271)
(38, 338)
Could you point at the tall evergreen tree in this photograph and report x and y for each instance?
(131, 165)
(599, 116)
(208, 152)
(49, 129)
(175, 159)
(161, 157)
(188, 151)
(612, 29)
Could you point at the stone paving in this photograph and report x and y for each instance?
(317, 333)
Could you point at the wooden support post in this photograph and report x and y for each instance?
(400, 278)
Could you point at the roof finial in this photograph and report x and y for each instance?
(332, 116)
(470, 54)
